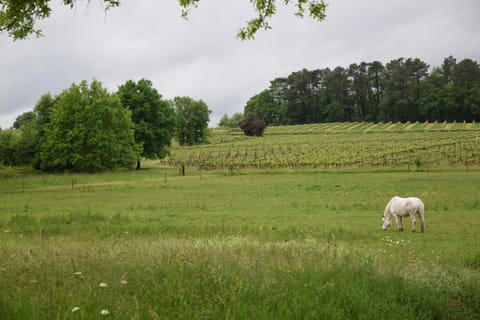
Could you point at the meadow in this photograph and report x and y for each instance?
(276, 243)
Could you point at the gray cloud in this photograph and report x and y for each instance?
(202, 58)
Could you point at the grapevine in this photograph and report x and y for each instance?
(338, 145)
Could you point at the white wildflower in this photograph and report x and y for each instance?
(78, 273)
(124, 282)
(104, 312)
(75, 309)
(103, 285)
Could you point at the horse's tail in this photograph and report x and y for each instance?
(421, 214)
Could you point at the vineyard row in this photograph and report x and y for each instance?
(339, 151)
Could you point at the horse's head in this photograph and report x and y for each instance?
(387, 222)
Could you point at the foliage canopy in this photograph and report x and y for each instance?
(18, 18)
(153, 117)
(266, 9)
(89, 130)
(192, 120)
(401, 90)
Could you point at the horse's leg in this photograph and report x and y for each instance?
(399, 221)
(414, 221)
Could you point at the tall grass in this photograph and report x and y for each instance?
(229, 278)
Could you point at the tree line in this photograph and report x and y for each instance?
(86, 128)
(400, 91)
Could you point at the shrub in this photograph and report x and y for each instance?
(252, 126)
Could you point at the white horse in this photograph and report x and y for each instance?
(402, 207)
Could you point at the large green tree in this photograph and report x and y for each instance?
(438, 101)
(265, 105)
(153, 117)
(88, 130)
(300, 93)
(375, 74)
(361, 89)
(339, 106)
(192, 117)
(18, 18)
(403, 88)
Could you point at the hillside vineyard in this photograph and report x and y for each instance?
(338, 145)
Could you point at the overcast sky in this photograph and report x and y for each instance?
(201, 58)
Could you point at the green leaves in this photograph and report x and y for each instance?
(264, 10)
(153, 117)
(186, 5)
(192, 120)
(89, 130)
(18, 18)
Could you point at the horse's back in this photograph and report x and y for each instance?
(415, 202)
(399, 205)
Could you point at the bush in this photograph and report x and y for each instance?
(252, 126)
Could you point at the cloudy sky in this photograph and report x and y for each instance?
(201, 58)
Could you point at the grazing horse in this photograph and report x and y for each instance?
(401, 207)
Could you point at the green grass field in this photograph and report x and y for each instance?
(238, 244)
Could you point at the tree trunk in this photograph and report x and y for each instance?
(138, 165)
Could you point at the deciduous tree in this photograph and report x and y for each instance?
(265, 105)
(192, 117)
(88, 130)
(153, 117)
